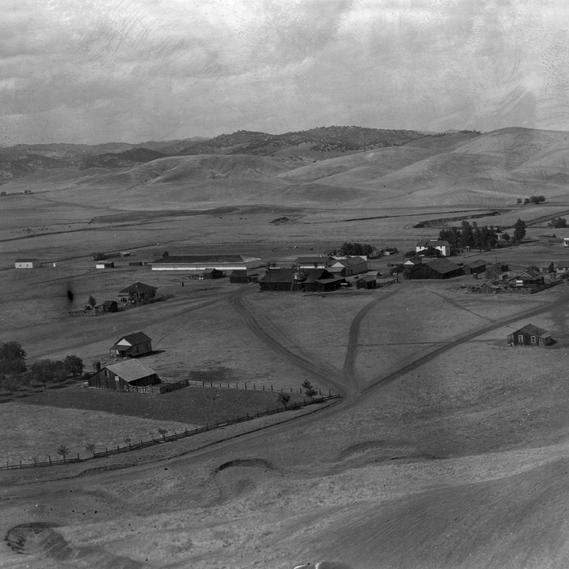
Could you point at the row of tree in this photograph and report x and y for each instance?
(348, 249)
(13, 367)
(480, 237)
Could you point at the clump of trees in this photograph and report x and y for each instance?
(472, 235)
(349, 248)
(519, 230)
(558, 222)
(14, 372)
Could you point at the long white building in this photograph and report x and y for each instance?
(200, 263)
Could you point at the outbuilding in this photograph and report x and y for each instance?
(200, 263)
(243, 276)
(440, 245)
(123, 376)
(104, 265)
(348, 266)
(26, 263)
(132, 345)
(530, 335)
(137, 292)
(436, 269)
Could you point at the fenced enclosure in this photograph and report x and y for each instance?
(165, 437)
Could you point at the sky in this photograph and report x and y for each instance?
(91, 71)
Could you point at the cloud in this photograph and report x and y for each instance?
(132, 69)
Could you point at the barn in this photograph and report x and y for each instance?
(124, 375)
(132, 345)
(137, 292)
(314, 280)
(530, 335)
(348, 266)
(436, 269)
(312, 262)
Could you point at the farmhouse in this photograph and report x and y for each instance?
(436, 269)
(348, 266)
(201, 263)
(530, 335)
(438, 244)
(26, 263)
(124, 375)
(315, 280)
(312, 262)
(137, 292)
(531, 277)
(132, 345)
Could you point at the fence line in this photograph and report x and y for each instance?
(164, 438)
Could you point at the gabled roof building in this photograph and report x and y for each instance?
(132, 345)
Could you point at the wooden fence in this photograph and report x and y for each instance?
(165, 438)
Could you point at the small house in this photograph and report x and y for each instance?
(104, 265)
(123, 376)
(530, 335)
(26, 263)
(132, 345)
(137, 292)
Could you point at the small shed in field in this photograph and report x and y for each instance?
(124, 375)
(137, 292)
(530, 335)
(26, 263)
(132, 345)
(104, 265)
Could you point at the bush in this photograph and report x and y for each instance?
(12, 358)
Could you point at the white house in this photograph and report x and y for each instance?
(565, 241)
(438, 244)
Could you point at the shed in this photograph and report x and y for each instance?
(312, 262)
(104, 265)
(132, 345)
(366, 281)
(108, 306)
(137, 292)
(475, 268)
(243, 276)
(26, 263)
(530, 335)
(123, 375)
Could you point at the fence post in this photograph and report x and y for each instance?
(263, 387)
(49, 459)
(272, 387)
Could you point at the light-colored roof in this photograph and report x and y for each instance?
(130, 370)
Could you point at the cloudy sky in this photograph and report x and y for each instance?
(99, 70)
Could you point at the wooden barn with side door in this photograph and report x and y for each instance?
(132, 346)
(530, 335)
(137, 292)
(123, 376)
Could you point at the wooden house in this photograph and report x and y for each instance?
(137, 292)
(123, 376)
(530, 335)
(132, 345)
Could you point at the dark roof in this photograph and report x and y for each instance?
(137, 287)
(443, 266)
(477, 263)
(312, 259)
(287, 275)
(432, 243)
(200, 259)
(532, 330)
(24, 260)
(135, 338)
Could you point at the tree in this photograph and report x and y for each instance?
(163, 432)
(12, 358)
(63, 451)
(558, 222)
(519, 230)
(284, 399)
(90, 448)
(73, 365)
(309, 390)
(91, 301)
